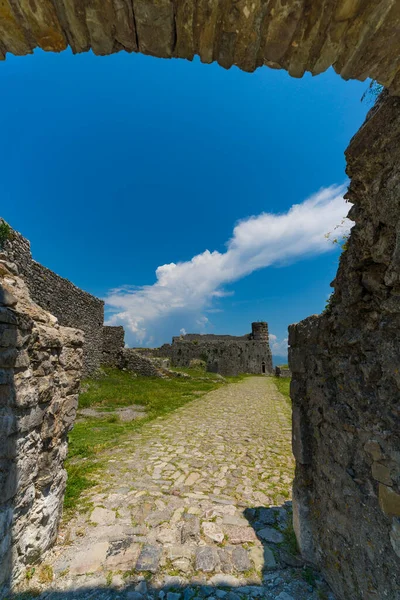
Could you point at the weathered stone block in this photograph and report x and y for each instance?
(381, 473)
(389, 501)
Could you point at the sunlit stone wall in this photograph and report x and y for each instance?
(40, 369)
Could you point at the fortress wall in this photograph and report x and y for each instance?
(40, 369)
(113, 344)
(209, 337)
(225, 356)
(72, 306)
(346, 385)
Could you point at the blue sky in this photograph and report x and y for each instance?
(115, 166)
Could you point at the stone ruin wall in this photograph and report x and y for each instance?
(113, 344)
(139, 364)
(346, 385)
(116, 355)
(40, 370)
(225, 354)
(72, 306)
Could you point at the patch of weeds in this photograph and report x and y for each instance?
(171, 570)
(64, 572)
(112, 419)
(109, 578)
(45, 574)
(308, 576)
(127, 574)
(290, 540)
(78, 481)
(29, 573)
(5, 232)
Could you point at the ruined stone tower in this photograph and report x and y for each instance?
(259, 331)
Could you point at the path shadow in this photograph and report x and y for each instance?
(284, 575)
(8, 439)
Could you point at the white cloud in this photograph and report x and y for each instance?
(182, 291)
(279, 347)
(183, 331)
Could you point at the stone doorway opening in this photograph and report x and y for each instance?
(263, 368)
(345, 363)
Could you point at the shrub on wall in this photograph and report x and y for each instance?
(5, 232)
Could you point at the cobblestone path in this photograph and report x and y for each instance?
(195, 505)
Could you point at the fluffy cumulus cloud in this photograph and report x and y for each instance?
(278, 347)
(184, 290)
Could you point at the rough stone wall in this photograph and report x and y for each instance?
(346, 385)
(142, 365)
(226, 355)
(72, 306)
(359, 38)
(40, 369)
(113, 344)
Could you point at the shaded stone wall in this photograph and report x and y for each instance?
(40, 369)
(72, 306)
(359, 38)
(113, 344)
(346, 385)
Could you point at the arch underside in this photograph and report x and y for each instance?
(359, 38)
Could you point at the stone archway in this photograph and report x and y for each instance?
(346, 381)
(360, 39)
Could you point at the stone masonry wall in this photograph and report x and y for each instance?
(113, 344)
(40, 369)
(72, 306)
(359, 38)
(226, 355)
(142, 365)
(346, 385)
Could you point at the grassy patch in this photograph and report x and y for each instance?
(116, 389)
(203, 374)
(290, 539)
(283, 385)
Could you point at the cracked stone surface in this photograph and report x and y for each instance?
(178, 509)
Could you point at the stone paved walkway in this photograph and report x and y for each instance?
(195, 505)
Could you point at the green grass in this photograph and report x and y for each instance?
(115, 389)
(283, 385)
(202, 374)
